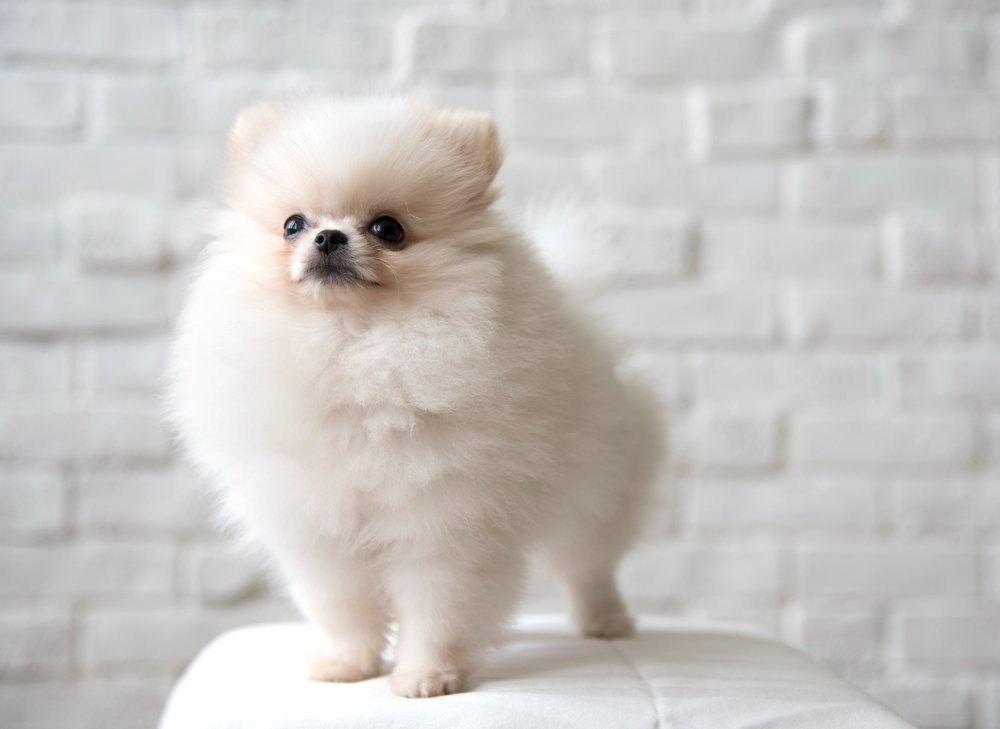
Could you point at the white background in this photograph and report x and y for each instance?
(797, 203)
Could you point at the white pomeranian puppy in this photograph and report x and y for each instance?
(394, 396)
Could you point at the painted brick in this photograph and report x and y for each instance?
(31, 504)
(685, 52)
(79, 434)
(37, 368)
(91, 703)
(962, 377)
(30, 232)
(128, 365)
(937, 117)
(866, 50)
(570, 119)
(141, 35)
(764, 249)
(221, 574)
(730, 440)
(120, 234)
(850, 117)
(154, 638)
(726, 186)
(38, 171)
(947, 503)
(910, 440)
(267, 38)
(868, 184)
(35, 101)
(786, 378)
(963, 639)
(757, 122)
(542, 176)
(667, 569)
(784, 504)
(139, 501)
(88, 569)
(36, 643)
(841, 636)
(930, 249)
(688, 315)
(872, 316)
(460, 49)
(154, 104)
(48, 303)
(886, 570)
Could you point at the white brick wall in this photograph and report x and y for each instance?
(797, 203)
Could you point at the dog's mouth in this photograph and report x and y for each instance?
(336, 273)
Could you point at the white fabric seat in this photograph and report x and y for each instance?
(668, 675)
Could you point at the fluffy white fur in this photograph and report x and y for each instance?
(401, 447)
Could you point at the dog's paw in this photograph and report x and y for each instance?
(323, 667)
(424, 684)
(614, 625)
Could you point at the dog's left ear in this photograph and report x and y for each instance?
(251, 124)
(474, 135)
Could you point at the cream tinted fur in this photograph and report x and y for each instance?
(401, 448)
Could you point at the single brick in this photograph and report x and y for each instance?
(87, 703)
(129, 365)
(665, 568)
(88, 569)
(269, 38)
(36, 643)
(866, 50)
(793, 504)
(76, 434)
(758, 122)
(121, 233)
(856, 440)
(777, 377)
(871, 184)
(873, 316)
(583, 120)
(31, 503)
(756, 250)
(886, 570)
(925, 248)
(961, 377)
(467, 49)
(696, 315)
(946, 503)
(34, 100)
(35, 368)
(140, 35)
(727, 440)
(30, 232)
(950, 640)
(40, 170)
(57, 302)
(685, 52)
(945, 116)
(672, 184)
(139, 501)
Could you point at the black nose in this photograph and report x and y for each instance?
(327, 240)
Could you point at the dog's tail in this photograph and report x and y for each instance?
(569, 240)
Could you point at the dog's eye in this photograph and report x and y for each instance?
(294, 225)
(387, 229)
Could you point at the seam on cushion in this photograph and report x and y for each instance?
(660, 724)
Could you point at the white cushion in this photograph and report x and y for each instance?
(544, 678)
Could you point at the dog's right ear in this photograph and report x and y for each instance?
(251, 124)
